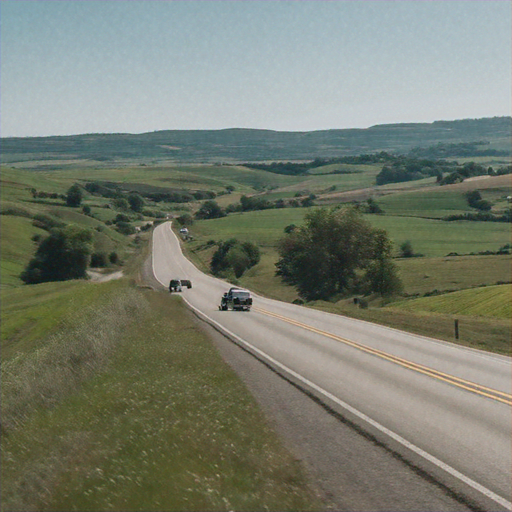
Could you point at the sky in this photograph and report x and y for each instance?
(128, 66)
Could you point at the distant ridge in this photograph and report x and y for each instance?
(246, 144)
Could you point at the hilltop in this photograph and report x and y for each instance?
(490, 136)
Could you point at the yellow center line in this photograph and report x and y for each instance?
(500, 396)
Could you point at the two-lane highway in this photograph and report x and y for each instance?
(444, 408)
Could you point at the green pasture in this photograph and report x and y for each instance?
(262, 227)
(16, 183)
(435, 238)
(433, 204)
(321, 184)
(490, 301)
(430, 237)
(425, 275)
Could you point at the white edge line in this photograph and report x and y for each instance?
(399, 439)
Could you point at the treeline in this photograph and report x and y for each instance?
(114, 191)
(471, 169)
(212, 210)
(454, 150)
(404, 168)
(303, 168)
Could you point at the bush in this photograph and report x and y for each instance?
(234, 256)
(125, 228)
(120, 217)
(74, 195)
(406, 250)
(46, 222)
(99, 260)
(63, 255)
(136, 202)
(113, 258)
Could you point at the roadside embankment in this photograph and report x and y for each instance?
(130, 407)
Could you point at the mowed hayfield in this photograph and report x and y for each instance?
(490, 301)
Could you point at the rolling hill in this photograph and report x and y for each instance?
(238, 145)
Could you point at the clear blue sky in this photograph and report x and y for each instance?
(110, 66)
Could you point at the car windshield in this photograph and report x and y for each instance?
(241, 295)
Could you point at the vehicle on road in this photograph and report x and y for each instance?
(236, 299)
(177, 285)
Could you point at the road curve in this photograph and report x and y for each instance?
(443, 408)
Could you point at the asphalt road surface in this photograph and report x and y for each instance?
(426, 422)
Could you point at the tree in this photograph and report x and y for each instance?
(381, 273)
(335, 251)
(125, 228)
(136, 202)
(63, 255)
(121, 203)
(210, 210)
(74, 195)
(234, 255)
(406, 250)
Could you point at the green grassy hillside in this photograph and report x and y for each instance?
(246, 144)
(130, 407)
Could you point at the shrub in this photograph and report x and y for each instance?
(46, 222)
(234, 256)
(136, 202)
(74, 195)
(99, 260)
(63, 255)
(125, 228)
(120, 217)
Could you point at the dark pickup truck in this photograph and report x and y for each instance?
(236, 299)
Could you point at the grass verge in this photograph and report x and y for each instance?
(161, 424)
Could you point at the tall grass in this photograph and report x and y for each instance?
(67, 358)
(166, 426)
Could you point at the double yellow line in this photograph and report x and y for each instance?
(494, 394)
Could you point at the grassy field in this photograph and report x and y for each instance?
(491, 301)
(132, 408)
(430, 237)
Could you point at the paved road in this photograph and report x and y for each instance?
(441, 409)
